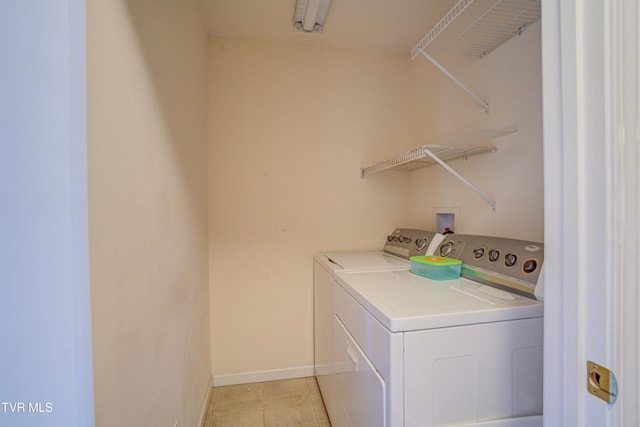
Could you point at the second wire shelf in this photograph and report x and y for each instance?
(461, 146)
(418, 158)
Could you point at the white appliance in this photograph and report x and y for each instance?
(399, 246)
(415, 352)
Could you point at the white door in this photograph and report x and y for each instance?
(592, 207)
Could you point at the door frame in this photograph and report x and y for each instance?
(590, 101)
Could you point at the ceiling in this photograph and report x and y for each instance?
(386, 26)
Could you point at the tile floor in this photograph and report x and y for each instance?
(285, 403)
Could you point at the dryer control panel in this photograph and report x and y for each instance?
(510, 264)
(408, 242)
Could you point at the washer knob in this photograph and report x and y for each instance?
(510, 260)
(478, 253)
(420, 244)
(494, 254)
(446, 248)
(530, 266)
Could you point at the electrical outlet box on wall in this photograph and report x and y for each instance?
(445, 220)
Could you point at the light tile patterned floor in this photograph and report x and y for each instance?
(285, 403)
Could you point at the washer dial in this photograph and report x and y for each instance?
(530, 266)
(446, 248)
(510, 260)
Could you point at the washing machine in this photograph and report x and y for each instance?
(415, 352)
(398, 247)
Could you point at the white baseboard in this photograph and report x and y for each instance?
(260, 376)
(205, 404)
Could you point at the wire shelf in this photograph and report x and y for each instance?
(429, 155)
(477, 27)
(417, 158)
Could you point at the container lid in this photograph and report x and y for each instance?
(435, 260)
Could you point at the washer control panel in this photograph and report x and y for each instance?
(510, 264)
(408, 242)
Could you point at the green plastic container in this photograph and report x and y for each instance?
(435, 267)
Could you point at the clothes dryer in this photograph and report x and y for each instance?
(398, 247)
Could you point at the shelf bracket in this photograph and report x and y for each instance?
(455, 80)
(460, 177)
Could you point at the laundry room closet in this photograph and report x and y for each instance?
(220, 162)
(291, 125)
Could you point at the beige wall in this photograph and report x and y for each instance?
(147, 211)
(509, 79)
(289, 128)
